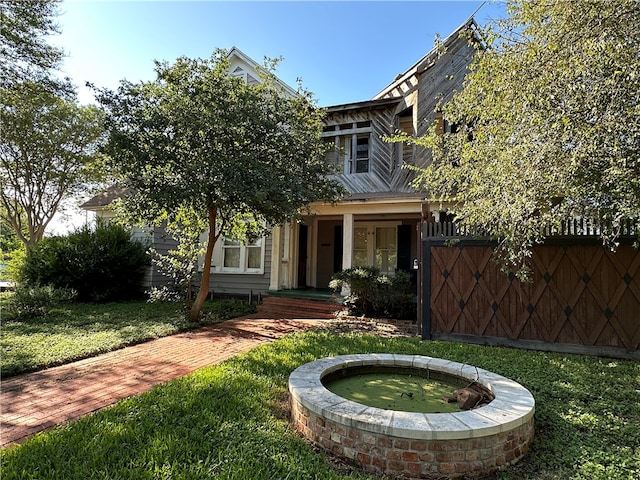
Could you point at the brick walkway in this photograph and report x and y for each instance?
(39, 401)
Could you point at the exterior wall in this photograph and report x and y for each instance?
(162, 243)
(245, 283)
(434, 87)
(325, 249)
(380, 152)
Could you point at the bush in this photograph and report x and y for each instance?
(101, 265)
(377, 295)
(164, 294)
(39, 300)
(225, 309)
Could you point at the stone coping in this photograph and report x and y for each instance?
(513, 404)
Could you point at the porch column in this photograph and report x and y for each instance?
(276, 258)
(347, 241)
(347, 247)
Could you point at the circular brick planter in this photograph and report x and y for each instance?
(414, 445)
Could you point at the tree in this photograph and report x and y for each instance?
(203, 144)
(48, 152)
(548, 125)
(25, 53)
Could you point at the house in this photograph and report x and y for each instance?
(377, 223)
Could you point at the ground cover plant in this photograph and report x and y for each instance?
(230, 421)
(79, 330)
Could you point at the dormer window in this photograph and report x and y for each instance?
(351, 146)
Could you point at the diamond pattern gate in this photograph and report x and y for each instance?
(580, 294)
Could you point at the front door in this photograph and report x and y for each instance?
(302, 256)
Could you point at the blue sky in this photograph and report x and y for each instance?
(343, 51)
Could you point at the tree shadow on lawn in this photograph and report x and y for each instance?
(81, 331)
(227, 421)
(216, 422)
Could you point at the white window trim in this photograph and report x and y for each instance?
(218, 259)
(349, 159)
(371, 232)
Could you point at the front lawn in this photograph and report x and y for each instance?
(230, 421)
(80, 330)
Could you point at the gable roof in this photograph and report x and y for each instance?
(104, 198)
(237, 58)
(430, 58)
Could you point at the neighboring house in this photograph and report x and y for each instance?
(377, 223)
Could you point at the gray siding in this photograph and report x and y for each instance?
(423, 91)
(162, 242)
(242, 284)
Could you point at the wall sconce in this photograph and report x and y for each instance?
(415, 264)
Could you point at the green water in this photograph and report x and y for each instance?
(393, 391)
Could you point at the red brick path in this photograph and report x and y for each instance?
(38, 401)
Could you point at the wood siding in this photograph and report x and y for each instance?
(580, 294)
(162, 242)
(243, 284)
(421, 92)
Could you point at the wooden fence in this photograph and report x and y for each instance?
(583, 297)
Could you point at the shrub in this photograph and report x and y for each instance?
(375, 294)
(39, 300)
(164, 294)
(101, 265)
(225, 309)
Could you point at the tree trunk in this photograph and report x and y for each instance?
(196, 307)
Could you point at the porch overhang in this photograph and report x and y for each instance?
(370, 204)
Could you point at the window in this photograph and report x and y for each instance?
(376, 245)
(233, 256)
(351, 146)
(362, 154)
(443, 126)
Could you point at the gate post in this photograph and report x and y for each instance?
(425, 275)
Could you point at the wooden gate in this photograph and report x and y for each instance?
(582, 298)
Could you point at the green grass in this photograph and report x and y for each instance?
(230, 421)
(76, 331)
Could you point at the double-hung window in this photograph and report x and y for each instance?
(350, 146)
(231, 255)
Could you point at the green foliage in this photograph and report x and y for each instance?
(25, 53)
(101, 265)
(548, 125)
(179, 264)
(37, 301)
(12, 253)
(204, 144)
(73, 331)
(47, 154)
(9, 241)
(230, 421)
(224, 309)
(376, 295)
